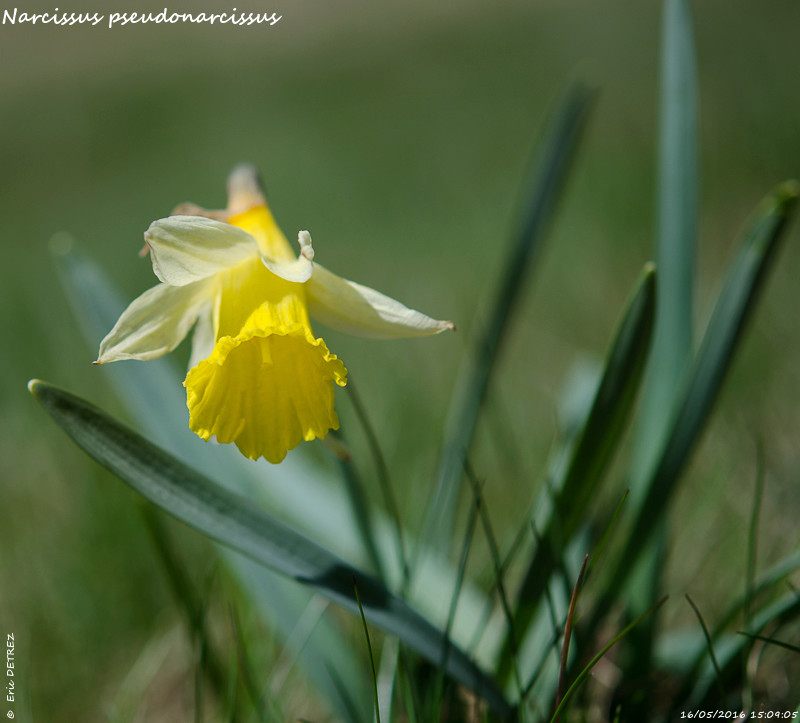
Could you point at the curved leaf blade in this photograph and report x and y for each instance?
(723, 334)
(234, 521)
(549, 176)
(594, 449)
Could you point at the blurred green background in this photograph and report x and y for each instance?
(399, 135)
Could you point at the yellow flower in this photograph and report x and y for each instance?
(258, 376)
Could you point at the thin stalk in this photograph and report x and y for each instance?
(562, 674)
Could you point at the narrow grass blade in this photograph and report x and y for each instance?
(771, 641)
(361, 512)
(369, 649)
(494, 552)
(573, 603)
(248, 675)
(549, 176)
(382, 472)
(752, 533)
(593, 451)
(725, 329)
(676, 238)
(783, 611)
(186, 596)
(768, 580)
(236, 522)
(710, 648)
(584, 674)
(466, 546)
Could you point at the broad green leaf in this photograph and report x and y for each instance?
(547, 181)
(593, 451)
(304, 494)
(676, 239)
(725, 329)
(235, 521)
(675, 249)
(153, 395)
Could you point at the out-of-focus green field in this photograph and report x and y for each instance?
(399, 135)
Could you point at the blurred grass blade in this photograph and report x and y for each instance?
(562, 671)
(675, 249)
(771, 641)
(710, 649)
(361, 513)
(769, 579)
(729, 652)
(549, 175)
(259, 700)
(494, 553)
(369, 649)
(676, 240)
(584, 674)
(734, 306)
(236, 522)
(592, 453)
(382, 473)
(188, 599)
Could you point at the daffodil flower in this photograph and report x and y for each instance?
(258, 376)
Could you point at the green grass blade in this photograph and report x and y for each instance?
(710, 648)
(584, 674)
(361, 513)
(236, 522)
(494, 553)
(573, 603)
(730, 651)
(676, 238)
(187, 598)
(752, 533)
(772, 641)
(382, 474)
(248, 674)
(766, 581)
(549, 175)
(725, 329)
(369, 649)
(592, 453)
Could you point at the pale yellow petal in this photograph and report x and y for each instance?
(185, 249)
(350, 307)
(155, 322)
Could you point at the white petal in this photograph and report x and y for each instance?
(155, 322)
(347, 306)
(189, 248)
(301, 268)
